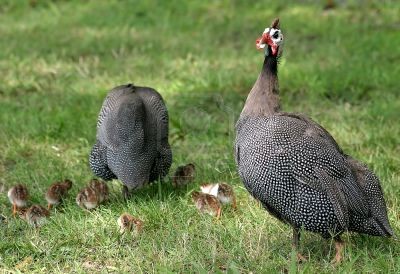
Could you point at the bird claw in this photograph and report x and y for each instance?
(338, 256)
(126, 194)
(301, 258)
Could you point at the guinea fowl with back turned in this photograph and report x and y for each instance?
(295, 168)
(132, 138)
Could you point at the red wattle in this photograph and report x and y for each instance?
(274, 49)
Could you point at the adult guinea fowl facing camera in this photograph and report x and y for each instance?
(296, 169)
(132, 138)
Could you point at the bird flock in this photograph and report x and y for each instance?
(209, 199)
(288, 162)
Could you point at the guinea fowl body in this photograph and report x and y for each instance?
(295, 168)
(132, 137)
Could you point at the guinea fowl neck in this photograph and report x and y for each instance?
(263, 99)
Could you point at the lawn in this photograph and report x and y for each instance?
(58, 59)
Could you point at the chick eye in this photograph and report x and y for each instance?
(275, 35)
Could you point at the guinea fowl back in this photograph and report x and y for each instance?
(296, 169)
(132, 137)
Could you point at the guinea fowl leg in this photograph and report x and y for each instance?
(339, 244)
(126, 193)
(295, 244)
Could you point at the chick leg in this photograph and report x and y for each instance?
(48, 206)
(14, 209)
(218, 213)
(339, 245)
(234, 203)
(295, 244)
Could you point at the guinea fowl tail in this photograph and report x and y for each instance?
(385, 228)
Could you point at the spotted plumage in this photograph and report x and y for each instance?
(132, 137)
(295, 168)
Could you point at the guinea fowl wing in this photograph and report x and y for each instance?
(318, 161)
(158, 117)
(124, 124)
(288, 148)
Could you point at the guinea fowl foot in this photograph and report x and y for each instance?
(126, 193)
(339, 245)
(295, 245)
(301, 258)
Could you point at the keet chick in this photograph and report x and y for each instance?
(222, 191)
(88, 198)
(183, 175)
(207, 203)
(56, 192)
(129, 223)
(35, 215)
(101, 189)
(18, 196)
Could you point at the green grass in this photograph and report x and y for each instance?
(58, 59)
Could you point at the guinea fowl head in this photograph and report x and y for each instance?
(271, 40)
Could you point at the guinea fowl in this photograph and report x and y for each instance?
(57, 192)
(128, 223)
(35, 215)
(88, 198)
(101, 189)
(132, 138)
(222, 191)
(184, 175)
(295, 168)
(207, 203)
(18, 196)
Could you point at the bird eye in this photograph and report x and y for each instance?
(275, 35)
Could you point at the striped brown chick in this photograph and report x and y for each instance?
(207, 203)
(88, 198)
(18, 196)
(222, 191)
(56, 192)
(35, 215)
(128, 223)
(184, 175)
(101, 188)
